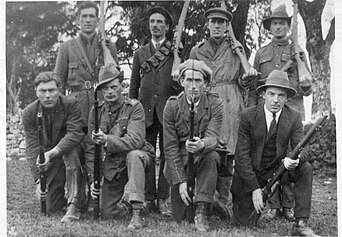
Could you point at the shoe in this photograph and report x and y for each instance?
(164, 208)
(301, 228)
(150, 206)
(201, 217)
(137, 221)
(272, 213)
(288, 214)
(221, 210)
(73, 214)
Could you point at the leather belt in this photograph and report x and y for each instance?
(87, 85)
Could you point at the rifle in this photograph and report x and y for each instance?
(305, 78)
(97, 158)
(252, 220)
(42, 174)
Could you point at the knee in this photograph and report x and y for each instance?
(306, 169)
(212, 158)
(136, 157)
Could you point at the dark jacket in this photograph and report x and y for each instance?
(251, 141)
(176, 127)
(152, 89)
(66, 130)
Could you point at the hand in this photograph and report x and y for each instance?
(43, 167)
(290, 164)
(257, 200)
(183, 192)
(93, 191)
(39, 191)
(247, 76)
(99, 138)
(194, 146)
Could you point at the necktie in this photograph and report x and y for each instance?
(273, 127)
(157, 46)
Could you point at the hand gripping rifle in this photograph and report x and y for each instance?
(42, 174)
(252, 220)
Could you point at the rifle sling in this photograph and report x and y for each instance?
(80, 46)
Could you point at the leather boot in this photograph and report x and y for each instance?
(272, 213)
(201, 217)
(220, 209)
(74, 192)
(288, 214)
(137, 221)
(301, 228)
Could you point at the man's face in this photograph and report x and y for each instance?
(217, 27)
(88, 20)
(279, 28)
(275, 98)
(193, 83)
(47, 93)
(158, 26)
(112, 91)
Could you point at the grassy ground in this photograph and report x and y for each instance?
(24, 218)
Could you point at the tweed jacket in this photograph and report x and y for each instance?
(176, 127)
(71, 67)
(152, 89)
(252, 138)
(67, 131)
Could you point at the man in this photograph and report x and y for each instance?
(228, 81)
(127, 154)
(276, 55)
(151, 82)
(62, 132)
(77, 65)
(264, 134)
(194, 76)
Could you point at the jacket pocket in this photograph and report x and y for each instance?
(72, 70)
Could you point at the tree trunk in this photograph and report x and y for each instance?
(319, 51)
(12, 102)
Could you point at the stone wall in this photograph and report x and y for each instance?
(15, 139)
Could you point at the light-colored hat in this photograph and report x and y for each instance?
(219, 12)
(278, 13)
(196, 65)
(108, 73)
(279, 79)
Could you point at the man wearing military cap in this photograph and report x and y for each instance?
(194, 76)
(127, 154)
(264, 134)
(228, 81)
(151, 82)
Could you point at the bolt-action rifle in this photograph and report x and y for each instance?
(42, 174)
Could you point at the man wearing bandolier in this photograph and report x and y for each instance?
(151, 83)
(77, 67)
(228, 81)
(276, 55)
(127, 155)
(62, 135)
(194, 76)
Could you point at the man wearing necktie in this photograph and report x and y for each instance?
(264, 134)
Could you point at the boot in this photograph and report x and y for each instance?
(272, 213)
(137, 221)
(74, 192)
(301, 228)
(164, 208)
(288, 214)
(220, 209)
(201, 217)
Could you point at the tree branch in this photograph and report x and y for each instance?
(331, 34)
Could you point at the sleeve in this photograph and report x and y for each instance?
(297, 135)
(243, 162)
(114, 52)
(253, 94)
(31, 141)
(135, 77)
(192, 54)
(173, 159)
(62, 65)
(90, 147)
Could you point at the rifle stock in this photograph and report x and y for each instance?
(42, 174)
(252, 220)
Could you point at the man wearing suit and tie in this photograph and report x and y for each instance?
(264, 134)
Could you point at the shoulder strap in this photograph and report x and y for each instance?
(79, 44)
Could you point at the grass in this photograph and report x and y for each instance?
(24, 218)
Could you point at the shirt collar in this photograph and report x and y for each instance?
(280, 42)
(269, 114)
(189, 102)
(155, 42)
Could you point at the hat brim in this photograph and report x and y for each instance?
(226, 15)
(267, 22)
(290, 91)
(103, 82)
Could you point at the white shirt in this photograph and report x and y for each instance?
(155, 42)
(269, 117)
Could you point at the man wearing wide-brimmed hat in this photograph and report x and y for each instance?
(264, 134)
(194, 76)
(151, 82)
(127, 154)
(229, 81)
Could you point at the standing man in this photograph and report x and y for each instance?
(264, 134)
(77, 66)
(62, 132)
(127, 155)
(278, 55)
(151, 83)
(194, 76)
(228, 81)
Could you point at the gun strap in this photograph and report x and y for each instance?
(80, 46)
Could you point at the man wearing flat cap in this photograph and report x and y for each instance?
(194, 76)
(228, 81)
(127, 155)
(151, 82)
(264, 134)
